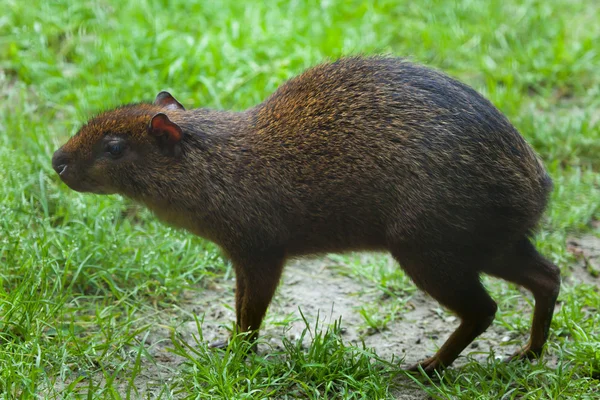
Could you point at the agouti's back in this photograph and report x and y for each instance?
(358, 154)
(353, 152)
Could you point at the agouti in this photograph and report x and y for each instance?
(375, 154)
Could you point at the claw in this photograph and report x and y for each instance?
(218, 344)
(526, 353)
(429, 366)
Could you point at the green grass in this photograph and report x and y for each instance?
(82, 276)
(328, 368)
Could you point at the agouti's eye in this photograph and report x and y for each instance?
(115, 149)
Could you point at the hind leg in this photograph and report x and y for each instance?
(524, 266)
(458, 288)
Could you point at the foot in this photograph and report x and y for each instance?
(526, 353)
(429, 365)
(218, 344)
(222, 344)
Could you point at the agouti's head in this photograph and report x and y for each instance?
(119, 151)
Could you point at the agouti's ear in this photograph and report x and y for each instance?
(161, 126)
(165, 100)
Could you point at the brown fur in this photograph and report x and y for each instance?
(358, 154)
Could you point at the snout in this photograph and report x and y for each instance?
(73, 172)
(63, 164)
(60, 162)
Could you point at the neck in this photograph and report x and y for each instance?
(201, 185)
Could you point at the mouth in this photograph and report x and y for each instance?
(61, 169)
(76, 178)
(82, 186)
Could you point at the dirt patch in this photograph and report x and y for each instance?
(586, 250)
(318, 289)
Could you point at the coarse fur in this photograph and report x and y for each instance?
(358, 154)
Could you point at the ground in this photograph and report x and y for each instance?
(319, 288)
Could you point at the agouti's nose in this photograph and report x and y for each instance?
(60, 161)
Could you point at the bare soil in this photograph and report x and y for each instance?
(317, 288)
(586, 269)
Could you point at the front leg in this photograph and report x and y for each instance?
(240, 287)
(257, 277)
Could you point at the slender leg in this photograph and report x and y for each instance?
(240, 286)
(257, 277)
(458, 288)
(526, 267)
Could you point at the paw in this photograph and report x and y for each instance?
(429, 366)
(218, 344)
(526, 353)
